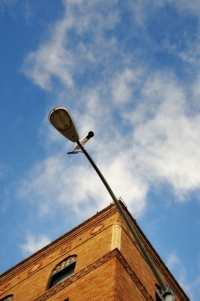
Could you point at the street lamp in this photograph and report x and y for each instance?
(63, 121)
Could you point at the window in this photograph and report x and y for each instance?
(62, 271)
(7, 298)
(158, 290)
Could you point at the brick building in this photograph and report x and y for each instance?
(97, 260)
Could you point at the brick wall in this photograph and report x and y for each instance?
(90, 241)
(102, 272)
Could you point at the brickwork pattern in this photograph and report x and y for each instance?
(129, 248)
(115, 275)
(101, 273)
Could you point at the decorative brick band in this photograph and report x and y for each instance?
(160, 264)
(113, 254)
(134, 277)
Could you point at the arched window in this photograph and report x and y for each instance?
(8, 298)
(63, 270)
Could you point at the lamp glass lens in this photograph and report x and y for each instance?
(60, 119)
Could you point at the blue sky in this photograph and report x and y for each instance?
(130, 72)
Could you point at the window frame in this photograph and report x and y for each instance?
(62, 271)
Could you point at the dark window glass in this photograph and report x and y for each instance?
(63, 274)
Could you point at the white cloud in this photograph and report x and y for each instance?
(196, 93)
(159, 144)
(167, 135)
(75, 42)
(176, 266)
(34, 243)
(193, 5)
(172, 260)
(53, 184)
(146, 132)
(51, 59)
(123, 85)
(142, 9)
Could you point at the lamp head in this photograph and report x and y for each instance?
(64, 123)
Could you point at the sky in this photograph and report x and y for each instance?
(129, 71)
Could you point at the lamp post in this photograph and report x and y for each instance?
(63, 121)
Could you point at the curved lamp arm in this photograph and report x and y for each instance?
(167, 292)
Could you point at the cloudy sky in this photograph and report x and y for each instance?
(129, 71)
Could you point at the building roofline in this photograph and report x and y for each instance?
(82, 227)
(38, 255)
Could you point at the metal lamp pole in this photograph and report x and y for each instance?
(63, 121)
